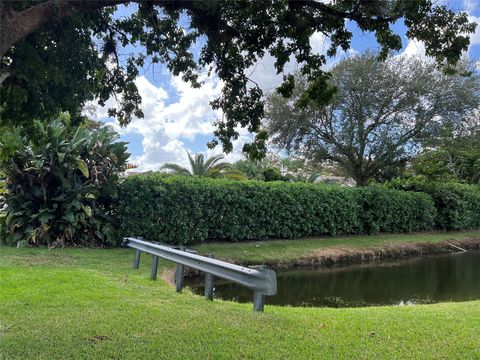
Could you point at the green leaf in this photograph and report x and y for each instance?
(82, 166)
(61, 157)
(44, 217)
(70, 218)
(87, 210)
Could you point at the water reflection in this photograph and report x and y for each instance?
(431, 279)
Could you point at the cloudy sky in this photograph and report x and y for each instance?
(178, 117)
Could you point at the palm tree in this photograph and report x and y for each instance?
(211, 167)
(303, 178)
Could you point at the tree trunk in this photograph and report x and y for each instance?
(358, 172)
(360, 180)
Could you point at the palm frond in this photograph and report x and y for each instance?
(212, 160)
(191, 160)
(176, 169)
(200, 167)
(313, 177)
(222, 166)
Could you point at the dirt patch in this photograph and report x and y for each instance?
(97, 338)
(168, 275)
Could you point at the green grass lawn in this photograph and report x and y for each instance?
(272, 251)
(86, 303)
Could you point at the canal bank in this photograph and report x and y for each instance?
(341, 251)
(342, 256)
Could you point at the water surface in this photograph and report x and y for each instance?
(453, 277)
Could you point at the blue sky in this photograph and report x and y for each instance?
(178, 117)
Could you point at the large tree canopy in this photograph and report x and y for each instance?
(59, 54)
(380, 113)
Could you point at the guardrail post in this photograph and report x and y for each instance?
(153, 271)
(258, 299)
(179, 277)
(136, 259)
(179, 274)
(209, 283)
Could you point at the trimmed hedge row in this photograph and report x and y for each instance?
(192, 210)
(458, 205)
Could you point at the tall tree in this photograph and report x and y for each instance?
(378, 115)
(58, 54)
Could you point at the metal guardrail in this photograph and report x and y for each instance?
(262, 281)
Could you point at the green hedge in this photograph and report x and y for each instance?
(458, 205)
(192, 210)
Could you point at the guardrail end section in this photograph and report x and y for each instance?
(270, 277)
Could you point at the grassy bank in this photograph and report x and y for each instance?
(81, 303)
(350, 249)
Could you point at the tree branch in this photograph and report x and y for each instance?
(16, 25)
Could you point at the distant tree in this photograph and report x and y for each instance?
(452, 155)
(378, 115)
(199, 166)
(56, 55)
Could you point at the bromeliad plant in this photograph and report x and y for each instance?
(62, 183)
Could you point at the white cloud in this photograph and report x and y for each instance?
(415, 48)
(319, 43)
(191, 115)
(166, 125)
(469, 5)
(475, 38)
(265, 74)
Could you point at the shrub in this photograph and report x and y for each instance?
(458, 205)
(273, 174)
(385, 210)
(193, 210)
(61, 184)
